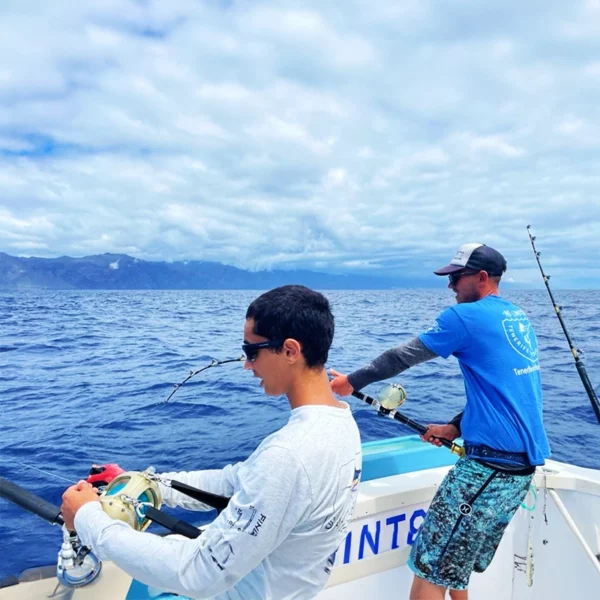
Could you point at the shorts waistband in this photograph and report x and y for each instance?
(510, 470)
(490, 454)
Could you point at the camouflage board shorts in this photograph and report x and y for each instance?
(465, 522)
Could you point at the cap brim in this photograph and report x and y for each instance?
(449, 269)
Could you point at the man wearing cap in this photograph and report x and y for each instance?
(501, 424)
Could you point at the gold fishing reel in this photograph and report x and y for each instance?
(128, 495)
(391, 396)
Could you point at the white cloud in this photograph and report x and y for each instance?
(354, 136)
(335, 178)
(495, 145)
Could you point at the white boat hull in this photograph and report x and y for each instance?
(549, 553)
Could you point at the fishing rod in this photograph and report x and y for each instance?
(134, 499)
(100, 477)
(587, 384)
(30, 502)
(391, 396)
(136, 490)
(129, 496)
(213, 363)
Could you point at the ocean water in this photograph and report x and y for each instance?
(84, 377)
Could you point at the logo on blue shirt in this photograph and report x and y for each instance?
(521, 337)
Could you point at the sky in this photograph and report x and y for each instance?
(362, 136)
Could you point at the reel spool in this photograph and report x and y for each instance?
(126, 496)
(391, 396)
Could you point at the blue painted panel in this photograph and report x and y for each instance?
(402, 455)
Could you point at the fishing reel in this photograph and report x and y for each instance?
(391, 396)
(128, 496)
(125, 496)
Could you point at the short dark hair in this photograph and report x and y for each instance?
(295, 311)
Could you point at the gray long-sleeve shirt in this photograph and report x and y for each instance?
(392, 362)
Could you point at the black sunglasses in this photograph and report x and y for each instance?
(455, 277)
(251, 350)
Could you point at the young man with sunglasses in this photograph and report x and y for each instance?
(291, 500)
(501, 424)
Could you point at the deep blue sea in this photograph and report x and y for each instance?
(84, 377)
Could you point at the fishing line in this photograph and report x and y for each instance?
(70, 481)
(213, 363)
(221, 502)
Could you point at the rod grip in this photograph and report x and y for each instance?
(214, 500)
(589, 388)
(172, 523)
(31, 502)
(363, 397)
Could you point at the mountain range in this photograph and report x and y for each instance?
(123, 272)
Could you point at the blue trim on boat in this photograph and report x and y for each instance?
(406, 454)
(140, 591)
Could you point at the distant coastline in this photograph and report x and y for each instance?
(123, 272)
